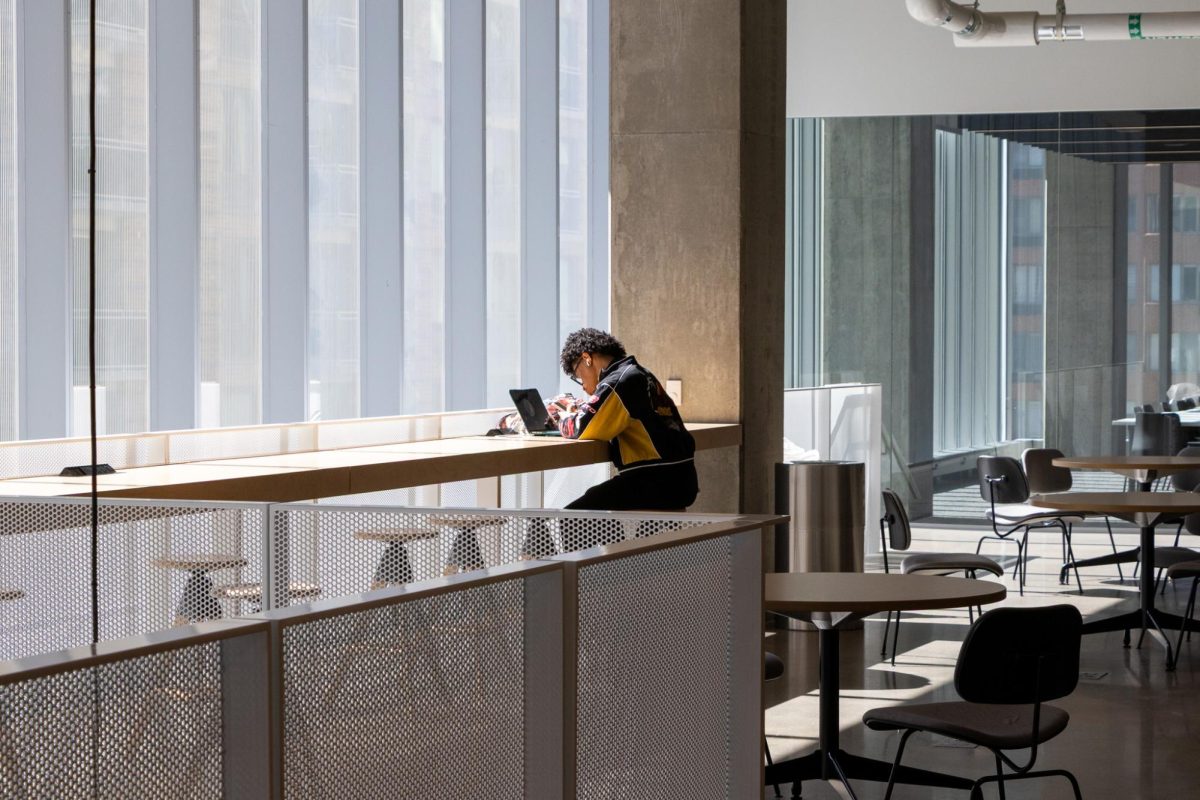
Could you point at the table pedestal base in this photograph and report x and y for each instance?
(840, 767)
(830, 762)
(1144, 619)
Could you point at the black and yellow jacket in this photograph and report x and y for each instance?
(632, 411)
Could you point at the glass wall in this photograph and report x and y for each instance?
(502, 153)
(1026, 291)
(573, 118)
(122, 193)
(424, 69)
(969, 227)
(230, 272)
(333, 253)
(241, 280)
(8, 223)
(1185, 277)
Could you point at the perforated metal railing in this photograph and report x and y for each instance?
(160, 563)
(420, 695)
(631, 670)
(668, 666)
(329, 551)
(140, 719)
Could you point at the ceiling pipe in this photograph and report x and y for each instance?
(974, 28)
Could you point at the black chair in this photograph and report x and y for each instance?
(894, 526)
(1014, 661)
(1156, 434)
(1002, 483)
(1186, 404)
(1166, 405)
(1182, 571)
(1147, 408)
(1045, 478)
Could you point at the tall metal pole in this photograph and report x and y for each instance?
(92, 314)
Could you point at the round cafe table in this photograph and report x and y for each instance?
(831, 600)
(1143, 471)
(1146, 510)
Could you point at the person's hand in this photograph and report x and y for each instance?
(560, 405)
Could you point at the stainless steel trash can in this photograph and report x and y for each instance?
(826, 504)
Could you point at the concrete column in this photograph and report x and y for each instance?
(1079, 303)
(697, 183)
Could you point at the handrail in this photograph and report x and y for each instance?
(660, 541)
(131, 647)
(398, 595)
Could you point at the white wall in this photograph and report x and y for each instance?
(869, 58)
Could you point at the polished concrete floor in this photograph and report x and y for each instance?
(1134, 730)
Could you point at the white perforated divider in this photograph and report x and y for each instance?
(148, 726)
(656, 676)
(422, 698)
(340, 550)
(160, 563)
(49, 456)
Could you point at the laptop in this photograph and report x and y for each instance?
(533, 412)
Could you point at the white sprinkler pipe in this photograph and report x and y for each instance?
(974, 28)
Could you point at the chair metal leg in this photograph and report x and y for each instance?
(1071, 555)
(770, 763)
(887, 623)
(887, 795)
(1112, 540)
(895, 637)
(1000, 776)
(1186, 627)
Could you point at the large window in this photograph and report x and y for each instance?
(502, 153)
(230, 280)
(122, 191)
(333, 111)
(424, 373)
(8, 223)
(968, 283)
(573, 161)
(1026, 312)
(1185, 274)
(231, 207)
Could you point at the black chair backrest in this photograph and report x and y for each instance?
(1166, 405)
(1156, 434)
(1009, 486)
(1186, 404)
(1147, 408)
(1042, 475)
(1189, 480)
(999, 660)
(896, 518)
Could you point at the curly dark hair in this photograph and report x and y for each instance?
(589, 340)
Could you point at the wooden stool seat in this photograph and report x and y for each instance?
(395, 535)
(252, 592)
(466, 522)
(200, 562)
(11, 594)
(196, 602)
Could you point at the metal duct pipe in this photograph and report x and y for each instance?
(974, 28)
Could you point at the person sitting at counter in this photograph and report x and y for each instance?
(629, 408)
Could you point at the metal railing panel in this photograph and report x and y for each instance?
(141, 718)
(144, 550)
(333, 551)
(414, 697)
(653, 681)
